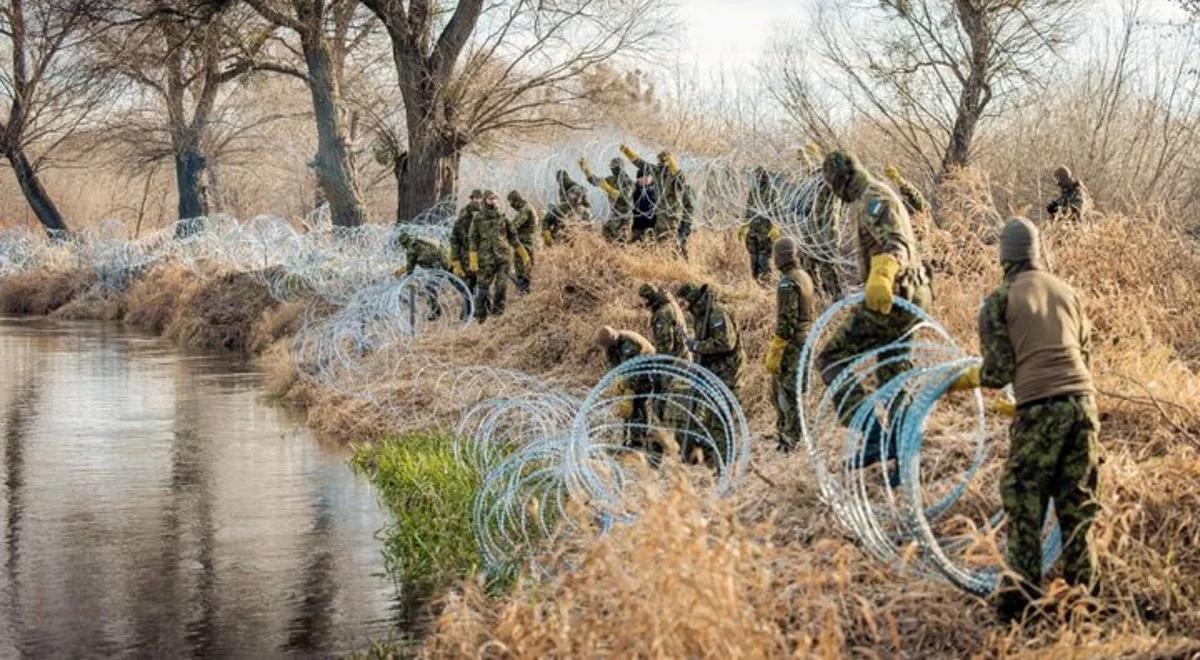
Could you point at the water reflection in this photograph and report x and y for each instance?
(152, 506)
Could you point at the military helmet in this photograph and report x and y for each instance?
(515, 198)
(615, 165)
(891, 173)
(664, 156)
(477, 194)
(1063, 174)
(785, 250)
(648, 292)
(404, 238)
(840, 169)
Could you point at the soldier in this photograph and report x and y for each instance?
(492, 241)
(1034, 334)
(891, 262)
(760, 232)
(667, 325)
(676, 204)
(560, 222)
(621, 347)
(645, 203)
(460, 238)
(573, 195)
(717, 347)
(526, 225)
(795, 311)
(1074, 202)
(422, 252)
(619, 188)
(824, 239)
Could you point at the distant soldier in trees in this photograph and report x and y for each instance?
(622, 346)
(527, 225)
(619, 188)
(493, 242)
(1074, 202)
(760, 232)
(795, 311)
(676, 203)
(460, 238)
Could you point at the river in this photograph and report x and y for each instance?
(153, 505)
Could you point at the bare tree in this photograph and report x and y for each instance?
(183, 59)
(468, 70)
(929, 72)
(51, 93)
(327, 32)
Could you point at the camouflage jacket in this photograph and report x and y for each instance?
(914, 201)
(795, 306)
(716, 333)
(758, 233)
(763, 201)
(1074, 202)
(425, 253)
(623, 184)
(570, 192)
(527, 226)
(492, 236)
(826, 209)
(559, 220)
(885, 228)
(460, 235)
(668, 328)
(676, 199)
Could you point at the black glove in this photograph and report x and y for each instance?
(692, 345)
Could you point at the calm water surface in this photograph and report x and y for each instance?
(152, 505)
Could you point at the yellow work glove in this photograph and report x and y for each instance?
(583, 166)
(742, 231)
(892, 173)
(774, 234)
(547, 237)
(967, 380)
(1004, 407)
(672, 164)
(456, 268)
(629, 153)
(624, 408)
(473, 261)
(523, 254)
(773, 360)
(880, 282)
(608, 189)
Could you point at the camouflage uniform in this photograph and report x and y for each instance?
(795, 312)
(826, 209)
(421, 252)
(1074, 202)
(560, 222)
(527, 226)
(620, 347)
(914, 202)
(675, 203)
(573, 195)
(668, 330)
(620, 222)
(1052, 448)
(883, 228)
(645, 203)
(460, 236)
(493, 238)
(716, 347)
(760, 229)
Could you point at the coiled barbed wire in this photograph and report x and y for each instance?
(575, 451)
(933, 478)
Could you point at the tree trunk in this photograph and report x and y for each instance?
(36, 196)
(431, 178)
(335, 172)
(976, 22)
(189, 167)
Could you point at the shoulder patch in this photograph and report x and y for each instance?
(876, 207)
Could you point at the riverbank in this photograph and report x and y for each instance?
(768, 571)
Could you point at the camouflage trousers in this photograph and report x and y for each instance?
(824, 276)
(786, 398)
(491, 289)
(522, 270)
(864, 331)
(760, 262)
(1052, 455)
(617, 228)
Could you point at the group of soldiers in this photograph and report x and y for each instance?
(1033, 331)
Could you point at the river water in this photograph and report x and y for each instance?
(152, 505)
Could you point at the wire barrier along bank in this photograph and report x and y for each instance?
(936, 468)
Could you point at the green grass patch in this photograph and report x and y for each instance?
(431, 544)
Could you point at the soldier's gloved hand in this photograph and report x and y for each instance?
(967, 380)
(547, 237)
(583, 165)
(1052, 208)
(473, 261)
(774, 234)
(629, 153)
(1004, 407)
(880, 282)
(773, 360)
(612, 193)
(523, 255)
(743, 231)
(456, 268)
